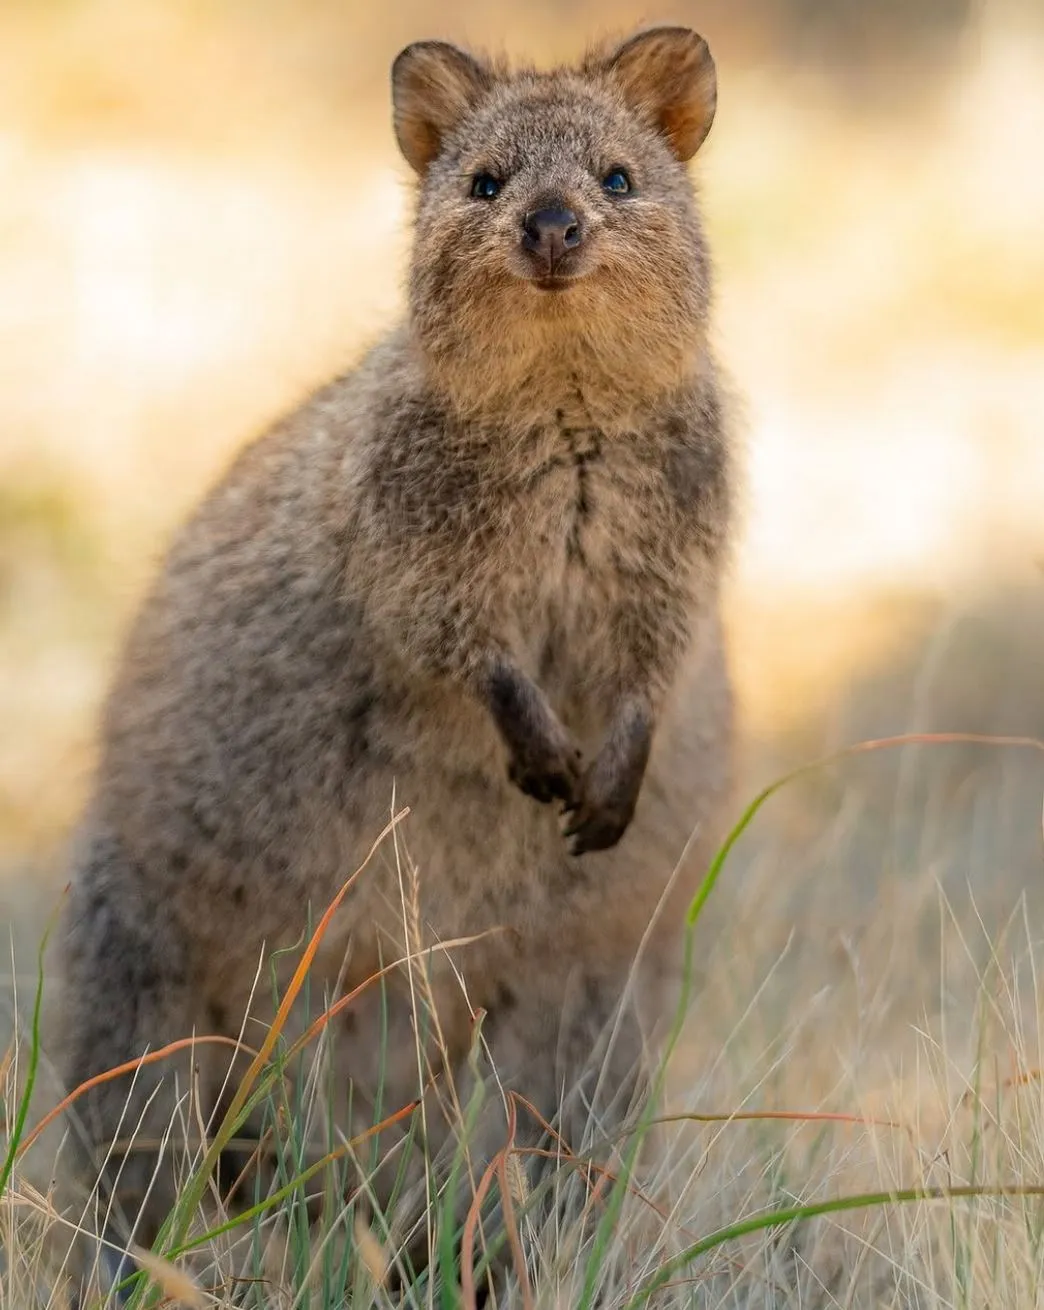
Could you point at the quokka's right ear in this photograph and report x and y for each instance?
(433, 86)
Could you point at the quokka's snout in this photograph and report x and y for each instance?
(551, 236)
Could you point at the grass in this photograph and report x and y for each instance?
(618, 1234)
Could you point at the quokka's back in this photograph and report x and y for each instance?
(478, 576)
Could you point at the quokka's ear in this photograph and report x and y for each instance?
(667, 75)
(433, 86)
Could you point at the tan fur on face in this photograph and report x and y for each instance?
(556, 134)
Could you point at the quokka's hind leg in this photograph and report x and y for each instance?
(125, 991)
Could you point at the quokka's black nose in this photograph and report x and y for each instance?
(551, 234)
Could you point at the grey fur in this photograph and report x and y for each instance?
(484, 563)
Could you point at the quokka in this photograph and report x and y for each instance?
(480, 576)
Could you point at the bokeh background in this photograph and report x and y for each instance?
(202, 216)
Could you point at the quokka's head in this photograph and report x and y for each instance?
(557, 206)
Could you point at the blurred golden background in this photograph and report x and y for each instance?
(202, 215)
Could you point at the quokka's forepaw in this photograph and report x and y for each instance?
(606, 799)
(550, 779)
(593, 828)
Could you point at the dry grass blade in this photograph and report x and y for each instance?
(508, 1204)
(784, 1116)
(131, 1066)
(173, 1282)
(372, 1252)
(467, 1240)
(342, 1002)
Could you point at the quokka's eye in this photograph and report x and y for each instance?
(616, 182)
(484, 186)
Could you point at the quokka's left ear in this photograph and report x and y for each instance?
(667, 76)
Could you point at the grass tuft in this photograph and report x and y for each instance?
(613, 1239)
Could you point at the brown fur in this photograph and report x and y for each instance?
(485, 562)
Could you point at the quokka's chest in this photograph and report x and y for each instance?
(583, 513)
(571, 536)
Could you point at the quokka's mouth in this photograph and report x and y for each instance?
(555, 281)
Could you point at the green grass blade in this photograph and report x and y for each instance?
(34, 1061)
(801, 1213)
